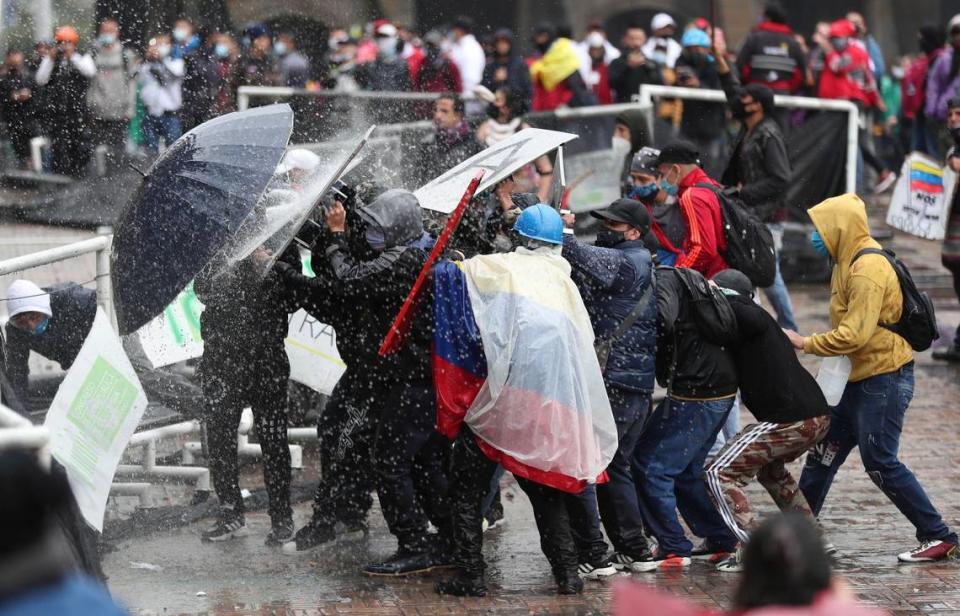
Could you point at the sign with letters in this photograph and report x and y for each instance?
(921, 198)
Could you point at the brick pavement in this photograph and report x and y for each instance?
(244, 577)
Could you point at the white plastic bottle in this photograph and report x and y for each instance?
(833, 376)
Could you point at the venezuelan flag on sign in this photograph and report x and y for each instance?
(514, 360)
(925, 178)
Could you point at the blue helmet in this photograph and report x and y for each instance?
(540, 222)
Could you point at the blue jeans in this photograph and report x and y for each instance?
(922, 138)
(166, 126)
(870, 416)
(668, 467)
(617, 498)
(731, 427)
(777, 294)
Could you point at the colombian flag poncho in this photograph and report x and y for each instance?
(514, 359)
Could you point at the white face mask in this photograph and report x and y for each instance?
(670, 200)
(163, 51)
(387, 46)
(620, 146)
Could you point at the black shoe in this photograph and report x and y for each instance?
(494, 517)
(280, 533)
(569, 583)
(228, 525)
(309, 537)
(462, 585)
(949, 354)
(402, 563)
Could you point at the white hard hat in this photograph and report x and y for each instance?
(26, 296)
(661, 20)
(298, 159)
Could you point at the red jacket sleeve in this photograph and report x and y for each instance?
(700, 246)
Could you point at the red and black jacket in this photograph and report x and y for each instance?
(771, 56)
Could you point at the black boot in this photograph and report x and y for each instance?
(462, 585)
(403, 563)
(569, 582)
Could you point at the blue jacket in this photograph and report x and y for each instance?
(611, 282)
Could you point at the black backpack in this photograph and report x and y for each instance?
(750, 246)
(918, 321)
(709, 308)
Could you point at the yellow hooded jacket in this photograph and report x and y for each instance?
(861, 296)
(560, 61)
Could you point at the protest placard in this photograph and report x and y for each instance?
(921, 198)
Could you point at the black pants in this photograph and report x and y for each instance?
(69, 146)
(228, 387)
(954, 267)
(345, 429)
(557, 514)
(409, 460)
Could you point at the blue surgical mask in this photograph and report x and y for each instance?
(643, 191)
(41, 326)
(280, 48)
(375, 238)
(106, 39)
(818, 244)
(222, 50)
(669, 187)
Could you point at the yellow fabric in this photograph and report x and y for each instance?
(560, 61)
(861, 296)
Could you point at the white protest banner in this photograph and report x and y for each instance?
(498, 161)
(920, 198)
(593, 179)
(174, 335)
(92, 417)
(312, 349)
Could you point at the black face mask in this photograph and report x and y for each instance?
(955, 133)
(738, 109)
(607, 238)
(543, 47)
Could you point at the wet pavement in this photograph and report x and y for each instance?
(245, 577)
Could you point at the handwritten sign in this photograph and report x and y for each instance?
(921, 198)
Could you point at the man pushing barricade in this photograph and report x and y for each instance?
(518, 383)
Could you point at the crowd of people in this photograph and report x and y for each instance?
(660, 296)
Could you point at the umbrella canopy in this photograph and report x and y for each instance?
(190, 203)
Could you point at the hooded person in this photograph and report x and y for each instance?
(790, 408)
(374, 282)
(865, 293)
(630, 133)
(943, 79)
(389, 72)
(549, 423)
(615, 279)
(771, 56)
(506, 68)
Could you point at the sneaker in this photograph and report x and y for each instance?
(831, 550)
(731, 564)
(402, 563)
(655, 562)
(462, 585)
(949, 354)
(595, 571)
(494, 517)
(280, 533)
(708, 552)
(227, 526)
(885, 182)
(930, 551)
(309, 537)
(625, 562)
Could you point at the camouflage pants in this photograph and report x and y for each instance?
(761, 450)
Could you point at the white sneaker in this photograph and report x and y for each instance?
(595, 571)
(929, 551)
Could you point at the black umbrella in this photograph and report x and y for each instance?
(193, 199)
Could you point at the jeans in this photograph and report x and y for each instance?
(777, 294)
(617, 498)
(668, 466)
(729, 430)
(922, 138)
(870, 416)
(166, 126)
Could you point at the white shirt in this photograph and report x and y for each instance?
(468, 55)
(668, 58)
(157, 97)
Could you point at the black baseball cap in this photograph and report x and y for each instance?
(679, 153)
(627, 211)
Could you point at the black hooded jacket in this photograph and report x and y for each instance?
(773, 384)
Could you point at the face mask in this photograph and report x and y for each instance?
(608, 238)
(739, 110)
(643, 192)
(621, 146)
(375, 239)
(669, 187)
(163, 51)
(387, 46)
(670, 200)
(493, 111)
(221, 50)
(955, 133)
(818, 244)
(41, 326)
(838, 43)
(280, 48)
(106, 39)
(543, 47)
(180, 34)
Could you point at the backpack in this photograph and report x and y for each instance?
(918, 321)
(750, 246)
(709, 308)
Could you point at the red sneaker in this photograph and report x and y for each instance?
(706, 551)
(930, 551)
(655, 562)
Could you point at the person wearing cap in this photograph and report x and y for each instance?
(770, 55)
(257, 66)
(389, 72)
(760, 167)
(661, 48)
(943, 80)
(681, 176)
(63, 77)
(436, 72)
(467, 53)
(703, 122)
(791, 412)
(161, 89)
(632, 68)
(667, 222)
(506, 68)
(615, 278)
